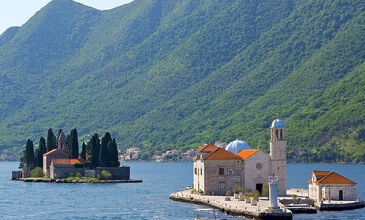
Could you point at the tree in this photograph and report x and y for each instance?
(74, 148)
(51, 140)
(113, 154)
(42, 145)
(104, 157)
(39, 152)
(94, 146)
(83, 151)
(29, 155)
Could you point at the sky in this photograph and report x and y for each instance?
(17, 12)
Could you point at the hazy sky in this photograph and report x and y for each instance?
(17, 12)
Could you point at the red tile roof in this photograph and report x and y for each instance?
(330, 177)
(221, 154)
(49, 152)
(65, 161)
(244, 154)
(207, 148)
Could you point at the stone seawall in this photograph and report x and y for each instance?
(233, 206)
(38, 180)
(340, 205)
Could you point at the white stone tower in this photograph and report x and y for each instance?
(278, 154)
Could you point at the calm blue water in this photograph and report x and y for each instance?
(147, 200)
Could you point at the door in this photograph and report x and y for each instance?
(340, 195)
(259, 187)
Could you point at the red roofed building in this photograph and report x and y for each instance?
(49, 156)
(63, 168)
(218, 170)
(329, 185)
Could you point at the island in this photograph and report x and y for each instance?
(57, 160)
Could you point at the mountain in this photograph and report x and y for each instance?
(161, 74)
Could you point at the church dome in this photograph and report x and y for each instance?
(236, 146)
(277, 123)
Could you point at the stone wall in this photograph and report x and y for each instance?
(16, 175)
(257, 170)
(64, 171)
(217, 184)
(118, 173)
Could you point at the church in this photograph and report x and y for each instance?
(218, 170)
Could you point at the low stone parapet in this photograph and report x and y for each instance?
(340, 205)
(234, 206)
(76, 181)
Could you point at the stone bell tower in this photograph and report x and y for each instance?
(278, 154)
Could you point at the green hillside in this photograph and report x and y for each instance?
(161, 74)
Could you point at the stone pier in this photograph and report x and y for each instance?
(234, 206)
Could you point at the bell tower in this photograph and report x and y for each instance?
(278, 154)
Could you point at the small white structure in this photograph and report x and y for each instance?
(329, 185)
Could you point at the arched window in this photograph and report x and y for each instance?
(276, 134)
(281, 134)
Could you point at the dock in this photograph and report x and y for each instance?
(234, 206)
(340, 205)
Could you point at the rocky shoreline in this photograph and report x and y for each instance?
(38, 180)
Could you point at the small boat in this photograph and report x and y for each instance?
(207, 210)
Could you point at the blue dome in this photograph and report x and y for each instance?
(236, 146)
(277, 123)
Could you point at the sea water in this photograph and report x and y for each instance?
(147, 200)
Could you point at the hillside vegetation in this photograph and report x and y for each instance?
(164, 74)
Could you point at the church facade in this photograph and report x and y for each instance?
(218, 170)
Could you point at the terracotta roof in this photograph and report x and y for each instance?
(221, 154)
(65, 161)
(244, 154)
(207, 148)
(335, 178)
(330, 177)
(54, 150)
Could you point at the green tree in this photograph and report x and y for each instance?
(42, 146)
(83, 151)
(51, 140)
(29, 155)
(94, 146)
(104, 157)
(74, 148)
(113, 154)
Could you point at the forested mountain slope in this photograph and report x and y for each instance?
(179, 73)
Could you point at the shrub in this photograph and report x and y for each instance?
(78, 175)
(228, 193)
(201, 192)
(78, 165)
(104, 175)
(37, 172)
(265, 190)
(256, 194)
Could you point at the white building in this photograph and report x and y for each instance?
(329, 185)
(218, 170)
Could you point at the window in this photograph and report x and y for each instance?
(196, 172)
(221, 171)
(221, 186)
(230, 172)
(201, 171)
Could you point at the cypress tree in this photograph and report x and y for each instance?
(94, 150)
(68, 144)
(113, 153)
(39, 152)
(38, 160)
(42, 146)
(83, 151)
(74, 148)
(51, 140)
(104, 158)
(29, 155)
